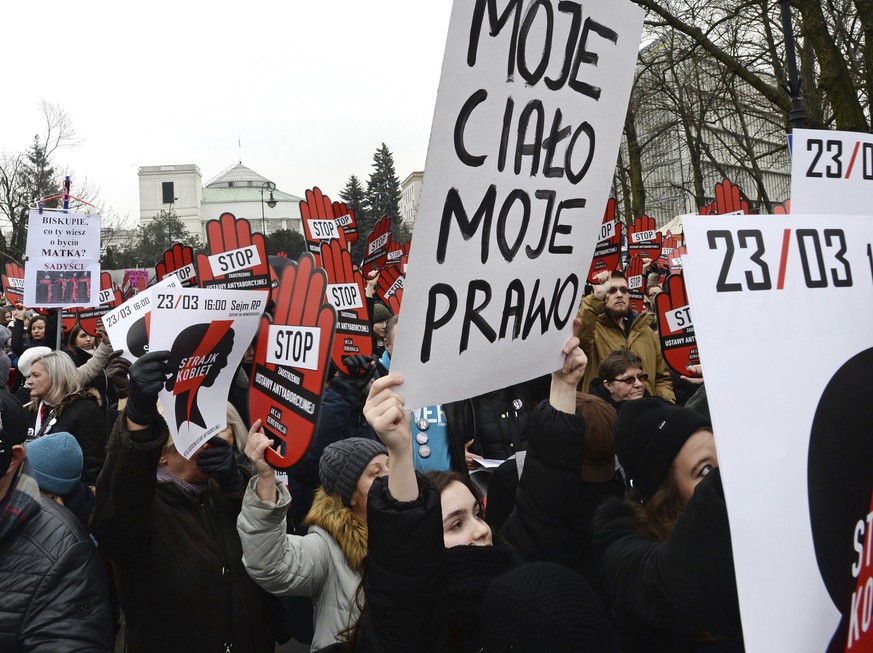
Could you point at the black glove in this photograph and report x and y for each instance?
(361, 370)
(117, 369)
(147, 377)
(219, 462)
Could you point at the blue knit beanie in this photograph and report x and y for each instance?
(56, 461)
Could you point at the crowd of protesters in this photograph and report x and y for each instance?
(604, 529)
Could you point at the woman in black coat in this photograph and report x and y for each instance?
(60, 403)
(432, 556)
(665, 552)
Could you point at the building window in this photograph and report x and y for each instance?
(230, 184)
(167, 192)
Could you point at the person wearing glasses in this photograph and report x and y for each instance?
(620, 378)
(608, 324)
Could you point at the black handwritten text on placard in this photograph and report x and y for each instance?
(822, 255)
(537, 138)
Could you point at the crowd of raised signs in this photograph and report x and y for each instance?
(580, 511)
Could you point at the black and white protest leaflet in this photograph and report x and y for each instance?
(782, 313)
(128, 325)
(525, 136)
(206, 331)
(63, 259)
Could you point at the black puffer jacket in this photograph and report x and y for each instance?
(678, 595)
(54, 591)
(177, 558)
(79, 414)
(498, 422)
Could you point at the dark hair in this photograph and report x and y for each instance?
(34, 319)
(617, 362)
(71, 338)
(617, 274)
(442, 480)
(656, 517)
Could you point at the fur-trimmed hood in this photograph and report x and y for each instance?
(344, 526)
(84, 393)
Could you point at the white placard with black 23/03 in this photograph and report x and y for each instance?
(782, 314)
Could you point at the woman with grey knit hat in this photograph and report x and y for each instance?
(665, 552)
(326, 563)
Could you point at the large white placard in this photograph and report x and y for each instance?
(831, 172)
(526, 130)
(784, 323)
(63, 259)
(206, 331)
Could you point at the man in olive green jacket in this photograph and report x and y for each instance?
(608, 324)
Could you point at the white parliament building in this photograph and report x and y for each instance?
(238, 190)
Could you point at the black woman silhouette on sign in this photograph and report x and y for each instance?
(197, 356)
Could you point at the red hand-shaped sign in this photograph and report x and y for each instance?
(643, 238)
(394, 257)
(668, 244)
(13, 284)
(345, 218)
(237, 259)
(607, 253)
(678, 342)
(404, 261)
(676, 259)
(345, 292)
(727, 200)
(389, 288)
(291, 362)
(319, 222)
(378, 243)
(782, 209)
(91, 319)
(179, 259)
(636, 284)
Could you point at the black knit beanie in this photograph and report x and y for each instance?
(342, 464)
(544, 607)
(648, 435)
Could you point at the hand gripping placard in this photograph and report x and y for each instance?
(291, 362)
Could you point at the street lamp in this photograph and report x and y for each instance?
(797, 117)
(270, 186)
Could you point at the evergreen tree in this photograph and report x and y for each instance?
(159, 235)
(355, 198)
(383, 187)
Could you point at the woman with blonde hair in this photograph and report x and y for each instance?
(60, 403)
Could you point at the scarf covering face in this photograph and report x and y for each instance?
(20, 505)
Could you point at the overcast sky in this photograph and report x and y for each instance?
(310, 88)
